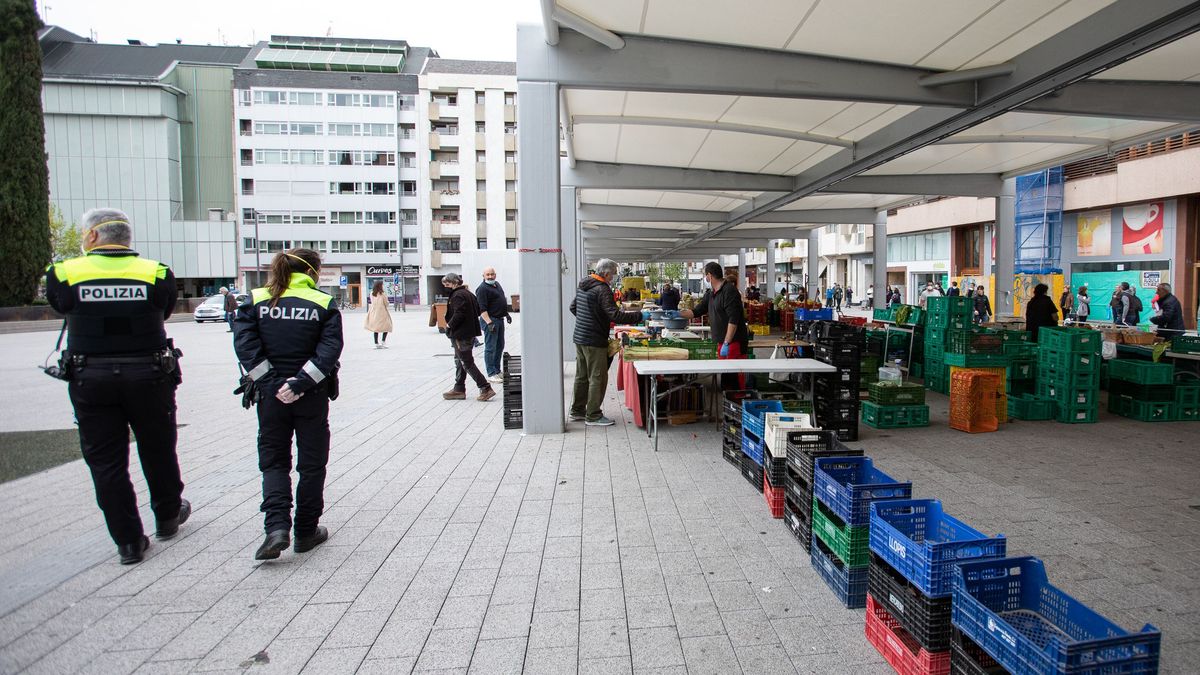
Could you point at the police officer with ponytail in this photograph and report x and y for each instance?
(288, 337)
(122, 373)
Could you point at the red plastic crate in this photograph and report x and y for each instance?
(854, 320)
(774, 497)
(898, 647)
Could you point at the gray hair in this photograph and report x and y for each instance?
(606, 267)
(111, 226)
(1165, 286)
(452, 279)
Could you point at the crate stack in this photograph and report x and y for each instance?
(1069, 372)
(914, 547)
(804, 448)
(1147, 392)
(514, 417)
(781, 429)
(731, 425)
(753, 431)
(837, 405)
(895, 405)
(843, 490)
(973, 401)
(1008, 617)
(943, 314)
(1022, 362)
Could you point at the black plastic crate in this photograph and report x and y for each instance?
(819, 444)
(799, 522)
(840, 332)
(732, 453)
(797, 489)
(752, 472)
(843, 431)
(731, 403)
(843, 354)
(836, 412)
(775, 470)
(830, 389)
(926, 618)
(968, 658)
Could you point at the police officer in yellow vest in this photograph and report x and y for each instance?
(123, 372)
(288, 337)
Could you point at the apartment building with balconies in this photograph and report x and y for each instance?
(327, 148)
(468, 171)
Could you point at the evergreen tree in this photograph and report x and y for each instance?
(24, 177)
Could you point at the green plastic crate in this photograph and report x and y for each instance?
(1187, 395)
(1187, 413)
(1141, 372)
(1075, 414)
(885, 314)
(977, 360)
(960, 305)
(1068, 395)
(1070, 339)
(851, 544)
(1021, 387)
(1021, 349)
(948, 321)
(974, 342)
(1186, 344)
(1014, 336)
(1022, 369)
(935, 335)
(698, 350)
(1068, 378)
(1076, 362)
(896, 394)
(894, 416)
(1030, 407)
(1143, 411)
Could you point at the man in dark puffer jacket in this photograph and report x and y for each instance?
(594, 310)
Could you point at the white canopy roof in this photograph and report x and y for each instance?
(689, 120)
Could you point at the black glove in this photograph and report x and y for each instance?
(248, 390)
(508, 318)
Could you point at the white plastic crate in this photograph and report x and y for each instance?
(777, 426)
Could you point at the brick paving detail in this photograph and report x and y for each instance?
(459, 547)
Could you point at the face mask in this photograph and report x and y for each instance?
(490, 282)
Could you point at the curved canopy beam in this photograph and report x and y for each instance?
(712, 126)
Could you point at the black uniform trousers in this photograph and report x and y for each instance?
(108, 400)
(464, 364)
(308, 419)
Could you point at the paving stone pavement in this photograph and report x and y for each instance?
(459, 547)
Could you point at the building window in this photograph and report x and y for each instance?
(481, 242)
(481, 185)
(380, 217)
(408, 132)
(446, 244)
(247, 215)
(410, 243)
(407, 102)
(481, 156)
(244, 96)
(408, 188)
(510, 243)
(344, 188)
(346, 247)
(245, 127)
(480, 215)
(408, 215)
(381, 246)
(480, 97)
(318, 246)
(510, 128)
(247, 157)
(247, 186)
(510, 214)
(249, 245)
(359, 158)
(510, 98)
(480, 127)
(381, 188)
(510, 157)
(510, 186)
(346, 217)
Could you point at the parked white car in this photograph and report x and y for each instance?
(213, 309)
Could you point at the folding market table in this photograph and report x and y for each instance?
(713, 369)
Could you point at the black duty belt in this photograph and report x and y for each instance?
(118, 360)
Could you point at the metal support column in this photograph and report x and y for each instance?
(742, 281)
(814, 265)
(1006, 229)
(572, 245)
(879, 275)
(541, 268)
(769, 278)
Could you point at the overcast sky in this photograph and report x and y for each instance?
(457, 29)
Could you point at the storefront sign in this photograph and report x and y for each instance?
(1151, 279)
(392, 270)
(329, 276)
(1093, 233)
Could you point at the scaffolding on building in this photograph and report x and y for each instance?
(1039, 217)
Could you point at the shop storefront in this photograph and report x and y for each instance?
(400, 282)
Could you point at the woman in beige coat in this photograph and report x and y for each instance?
(378, 319)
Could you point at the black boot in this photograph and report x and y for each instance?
(168, 528)
(309, 542)
(275, 543)
(132, 553)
